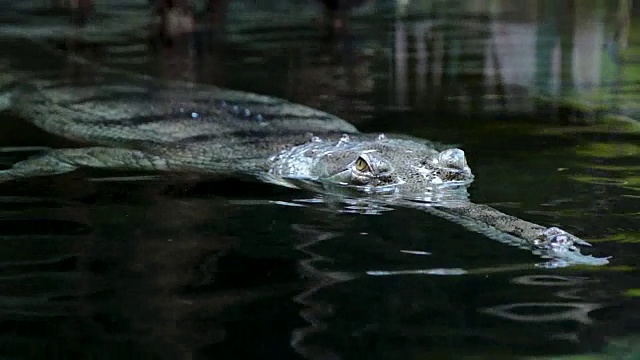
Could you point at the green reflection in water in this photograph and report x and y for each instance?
(632, 292)
(628, 182)
(612, 124)
(619, 268)
(627, 348)
(608, 150)
(619, 238)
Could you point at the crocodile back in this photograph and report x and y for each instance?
(87, 102)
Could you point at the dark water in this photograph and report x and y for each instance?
(98, 265)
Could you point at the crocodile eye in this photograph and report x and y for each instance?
(362, 165)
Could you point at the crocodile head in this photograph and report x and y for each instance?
(409, 168)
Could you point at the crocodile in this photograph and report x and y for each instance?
(134, 122)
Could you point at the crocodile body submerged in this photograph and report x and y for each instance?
(140, 123)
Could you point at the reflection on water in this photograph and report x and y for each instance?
(109, 265)
(504, 57)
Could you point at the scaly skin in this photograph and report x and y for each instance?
(145, 124)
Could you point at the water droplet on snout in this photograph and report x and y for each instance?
(344, 139)
(382, 137)
(195, 115)
(246, 112)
